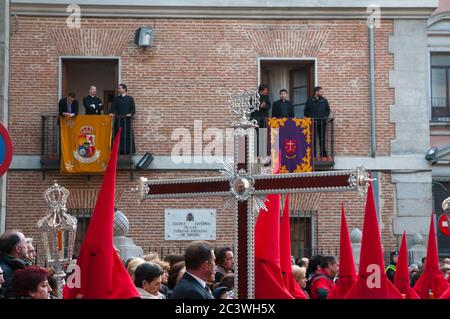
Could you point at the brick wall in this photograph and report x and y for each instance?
(187, 75)
(192, 68)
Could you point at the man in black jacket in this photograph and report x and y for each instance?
(200, 262)
(92, 104)
(264, 107)
(124, 109)
(13, 254)
(282, 107)
(68, 106)
(261, 115)
(318, 108)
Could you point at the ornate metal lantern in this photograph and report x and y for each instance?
(58, 230)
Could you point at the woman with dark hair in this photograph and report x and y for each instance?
(31, 283)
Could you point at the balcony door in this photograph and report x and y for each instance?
(296, 76)
(78, 74)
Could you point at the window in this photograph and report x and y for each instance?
(78, 74)
(302, 233)
(440, 84)
(296, 76)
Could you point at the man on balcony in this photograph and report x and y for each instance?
(318, 108)
(123, 108)
(282, 107)
(68, 106)
(92, 104)
(261, 117)
(263, 113)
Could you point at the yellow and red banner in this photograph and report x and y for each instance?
(85, 143)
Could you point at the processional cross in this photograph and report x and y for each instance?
(246, 185)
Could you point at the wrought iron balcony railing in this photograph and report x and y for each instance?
(51, 142)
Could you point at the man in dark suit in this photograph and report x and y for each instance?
(92, 104)
(317, 107)
(123, 108)
(282, 107)
(68, 106)
(261, 117)
(200, 262)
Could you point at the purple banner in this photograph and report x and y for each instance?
(291, 140)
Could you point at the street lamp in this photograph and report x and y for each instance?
(58, 231)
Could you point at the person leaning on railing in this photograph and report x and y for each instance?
(68, 106)
(318, 108)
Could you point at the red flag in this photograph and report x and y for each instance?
(347, 272)
(372, 281)
(431, 284)
(401, 277)
(268, 278)
(103, 276)
(285, 255)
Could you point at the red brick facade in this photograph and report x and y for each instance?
(187, 75)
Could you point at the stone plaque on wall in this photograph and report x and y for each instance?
(190, 224)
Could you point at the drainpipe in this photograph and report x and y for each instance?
(373, 140)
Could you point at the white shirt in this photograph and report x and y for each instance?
(200, 281)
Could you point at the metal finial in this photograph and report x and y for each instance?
(360, 179)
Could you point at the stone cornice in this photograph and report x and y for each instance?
(221, 12)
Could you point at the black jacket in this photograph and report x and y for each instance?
(317, 108)
(123, 105)
(262, 112)
(9, 265)
(63, 106)
(189, 288)
(93, 105)
(282, 109)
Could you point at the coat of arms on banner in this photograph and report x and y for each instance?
(290, 146)
(86, 152)
(290, 140)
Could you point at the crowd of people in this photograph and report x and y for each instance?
(202, 272)
(20, 277)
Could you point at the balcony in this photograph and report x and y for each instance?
(51, 144)
(440, 109)
(323, 152)
(323, 159)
